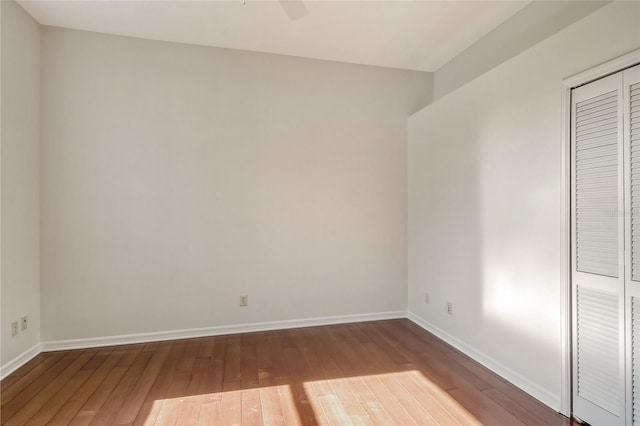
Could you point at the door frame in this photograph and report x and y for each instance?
(569, 83)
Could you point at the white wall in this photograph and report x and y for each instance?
(485, 198)
(176, 178)
(20, 289)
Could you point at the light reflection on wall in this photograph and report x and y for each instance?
(515, 302)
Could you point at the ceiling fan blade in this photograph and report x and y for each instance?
(295, 9)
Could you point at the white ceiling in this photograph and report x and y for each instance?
(415, 35)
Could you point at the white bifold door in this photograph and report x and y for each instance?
(605, 238)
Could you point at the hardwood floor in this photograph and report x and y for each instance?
(383, 372)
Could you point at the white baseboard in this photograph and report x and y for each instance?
(543, 395)
(19, 361)
(128, 339)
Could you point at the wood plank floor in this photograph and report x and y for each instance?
(373, 373)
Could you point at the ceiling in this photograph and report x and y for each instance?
(407, 34)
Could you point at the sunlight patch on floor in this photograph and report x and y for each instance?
(273, 404)
(403, 397)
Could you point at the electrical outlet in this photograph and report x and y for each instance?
(14, 328)
(25, 322)
(450, 308)
(244, 300)
(426, 298)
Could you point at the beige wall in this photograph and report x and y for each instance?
(20, 289)
(176, 178)
(485, 198)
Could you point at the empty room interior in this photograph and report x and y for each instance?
(319, 212)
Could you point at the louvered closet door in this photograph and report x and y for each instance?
(598, 253)
(631, 120)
